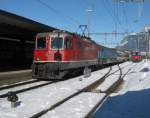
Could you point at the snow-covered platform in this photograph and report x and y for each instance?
(12, 73)
(11, 77)
(133, 99)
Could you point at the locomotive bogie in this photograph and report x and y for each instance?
(44, 70)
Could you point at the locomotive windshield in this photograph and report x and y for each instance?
(56, 43)
(135, 53)
(41, 43)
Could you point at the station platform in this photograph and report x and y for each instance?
(15, 76)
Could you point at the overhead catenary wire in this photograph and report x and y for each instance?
(117, 13)
(125, 15)
(109, 11)
(54, 10)
(127, 23)
(140, 11)
(113, 13)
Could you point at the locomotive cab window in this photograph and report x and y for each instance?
(56, 43)
(41, 43)
(135, 53)
(68, 43)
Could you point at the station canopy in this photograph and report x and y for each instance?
(18, 27)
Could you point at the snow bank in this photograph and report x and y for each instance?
(133, 100)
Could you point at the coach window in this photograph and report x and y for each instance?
(68, 43)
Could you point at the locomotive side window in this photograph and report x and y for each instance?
(68, 43)
(56, 43)
(41, 43)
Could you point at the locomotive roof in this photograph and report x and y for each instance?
(77, 35)
(135, 51)
(68, 33)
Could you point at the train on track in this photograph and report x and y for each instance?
(58, 53)
(136, 56)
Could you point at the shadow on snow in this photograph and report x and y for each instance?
(133, 104)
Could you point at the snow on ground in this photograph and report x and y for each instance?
(136, 79)
(36, 100)
(108, 82)
(133, 100)
(23, 86)
(77, 107)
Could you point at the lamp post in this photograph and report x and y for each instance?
(88, 11)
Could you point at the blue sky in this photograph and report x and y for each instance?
(106, 15)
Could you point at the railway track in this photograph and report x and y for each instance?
(85, 89)
(12, 87)
(109, 91)
(2, 87)
(27, 85)
(55, 105)
(28, 88)
(18, 84)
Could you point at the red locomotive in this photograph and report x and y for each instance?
(136, 56)
(58, 52)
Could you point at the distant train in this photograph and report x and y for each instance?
(136, 56)
(58, 53)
